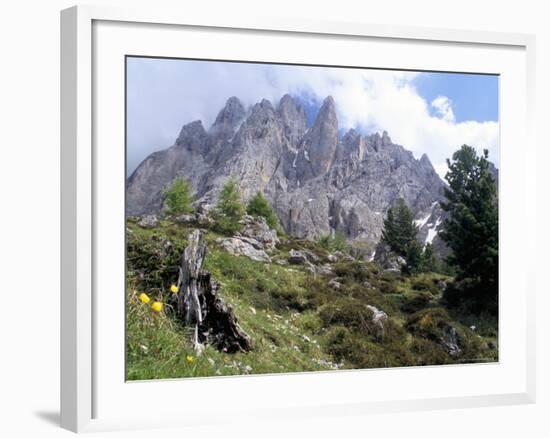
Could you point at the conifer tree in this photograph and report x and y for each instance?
(178, 197)
(229, 210)
(399, 228)
(471, 229)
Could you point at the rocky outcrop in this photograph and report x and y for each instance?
(387, 259)
(317, 180)
(244, 246)
(379, 319)
(149, 221)
(256, 228)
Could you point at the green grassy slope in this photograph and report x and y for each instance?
(297, 321)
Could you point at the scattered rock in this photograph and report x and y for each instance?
(367, 284)
(343, 256)
(204, 219)
(335, 283)
(324, 269)
(297, 257)
(379, 318)
(332, 258)
(149, 221)
(281, 262)
(450, 341)
(387, 259)
(185, 218)
(237, 246)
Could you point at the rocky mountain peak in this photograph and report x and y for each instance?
(316, 181)
(230, 115)
(293, 117)
(320, 142)
(193, 136)
(352, 147)
(426, 163)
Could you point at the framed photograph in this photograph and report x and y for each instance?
(303, 218)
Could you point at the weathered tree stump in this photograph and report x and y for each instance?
(199, 303)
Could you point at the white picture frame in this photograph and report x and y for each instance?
(85, 385)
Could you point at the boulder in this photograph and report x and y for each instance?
(257, 229)
(379, 319)
(185, 218)
(343, 256)
(297, 257)
(335, 283)
(387, 259)
(449, 340)
(332, 258)
(148, 221)
(237, 246)
(324, 269)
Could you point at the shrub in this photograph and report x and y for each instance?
(349, 313)
(429, 323)
(353, 270)
(258, 206)
(336, 242)
(415, 301)
(342, 345)
(178, 197)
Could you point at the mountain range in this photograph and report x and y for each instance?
(317, 179)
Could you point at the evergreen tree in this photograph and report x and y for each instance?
(414, 258)
(471, 230)
(229, 210)
(399, 228)
(178, 197)
(258, 206)
(429, 263)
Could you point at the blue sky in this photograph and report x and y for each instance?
(431, 113)
(473, 96)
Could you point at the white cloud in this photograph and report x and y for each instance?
(174, 93)
(442, 105)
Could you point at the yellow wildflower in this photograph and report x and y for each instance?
(144, 298)
(156, 306)
(189, 359)
(174, 289)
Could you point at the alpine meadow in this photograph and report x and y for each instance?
(285, 218)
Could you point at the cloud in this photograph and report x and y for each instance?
(163, 95)
(442, 105)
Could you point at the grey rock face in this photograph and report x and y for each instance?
(293, 117)
(317, 181)
(318, 147)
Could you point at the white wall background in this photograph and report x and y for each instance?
(29, 216)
